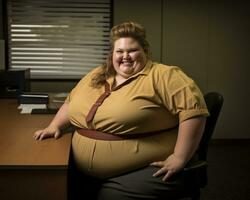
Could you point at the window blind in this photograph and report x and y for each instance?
(58, 38)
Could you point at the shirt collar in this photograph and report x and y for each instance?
(145, 70)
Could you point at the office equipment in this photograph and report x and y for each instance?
(41, 103)
(28, 108)
(33, 98)
(31, 169)
(14, 82)
(57, 99)
(30, 101)
(44, 111)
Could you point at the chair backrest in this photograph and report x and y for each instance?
(214, 101)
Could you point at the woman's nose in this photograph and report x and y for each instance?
(125, 55)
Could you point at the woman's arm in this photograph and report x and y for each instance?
(189, 136)
(59, 122)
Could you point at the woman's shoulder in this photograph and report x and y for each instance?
(95, 70)
(92, 73)
(164, 69)
(167, 73)
(86, 79)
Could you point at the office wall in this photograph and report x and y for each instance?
(185, 37)
(228, 64)
(209, 40)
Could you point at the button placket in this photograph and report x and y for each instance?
(95, 106)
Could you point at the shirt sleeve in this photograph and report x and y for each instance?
(181, 95)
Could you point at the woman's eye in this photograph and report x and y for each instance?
(132, 50)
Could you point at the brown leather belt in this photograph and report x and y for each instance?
(97, 135)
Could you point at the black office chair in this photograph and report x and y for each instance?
(197, 170)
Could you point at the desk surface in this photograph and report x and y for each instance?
(18, 149)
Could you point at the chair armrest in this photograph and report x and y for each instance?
(195, 165)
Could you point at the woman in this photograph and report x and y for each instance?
(149, 117)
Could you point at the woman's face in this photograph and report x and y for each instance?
(128, 57)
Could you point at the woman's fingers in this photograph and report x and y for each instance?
(165, 172)
(162, 169)
(158, 164)
(57, 134)
(167, 175)
(45, 133)
(37, 134)
(167, 167)
(159, 172)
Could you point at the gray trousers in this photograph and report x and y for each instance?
(136, 185)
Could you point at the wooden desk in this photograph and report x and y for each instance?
(30, 169)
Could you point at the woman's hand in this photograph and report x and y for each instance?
(189, 135)
(170, 166)
(60, 121)
(50, 131)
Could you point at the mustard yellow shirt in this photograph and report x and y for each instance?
(157, 98)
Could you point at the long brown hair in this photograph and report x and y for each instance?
(123, 30)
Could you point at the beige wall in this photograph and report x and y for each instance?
(209, 41)
(147, 13)
(228, 65)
